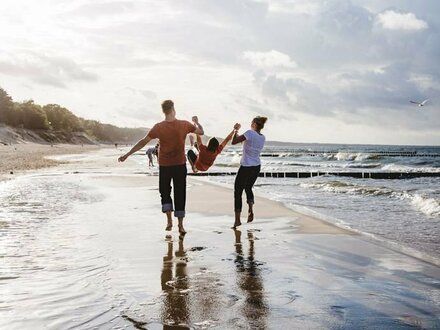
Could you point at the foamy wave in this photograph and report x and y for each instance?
(427, 205)
(348, 188)
(403, 168)
(359, 157)
(363, 165)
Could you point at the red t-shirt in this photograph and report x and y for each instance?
(171, 135)
(206, 158)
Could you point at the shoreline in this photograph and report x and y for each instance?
(264, 209)
(102, 256)
(41, 156)
(324, 226)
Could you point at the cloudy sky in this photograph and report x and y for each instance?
(338, 71)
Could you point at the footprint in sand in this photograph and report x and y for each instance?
(232, 299)
(291, 297)
(197, 248)
(338, 311)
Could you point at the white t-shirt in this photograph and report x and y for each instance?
(252, 147)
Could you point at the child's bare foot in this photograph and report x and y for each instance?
(194, 169)
(250, 217)
(182, 230)
(169, 227)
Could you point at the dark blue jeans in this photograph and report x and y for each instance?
(245, 179)
(177, 174)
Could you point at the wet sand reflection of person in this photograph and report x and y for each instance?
(174, 312)
(250, 282)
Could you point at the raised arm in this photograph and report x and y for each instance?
(228, 138)
(138, 146)
(199, 140)
(199, 128)
(237, 138)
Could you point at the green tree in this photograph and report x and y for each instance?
(33, 115)
(6, 107)
(62, 119)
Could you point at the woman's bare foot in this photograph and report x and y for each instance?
(250, 217)
(169, 227)
(236, 224)
(237, 221)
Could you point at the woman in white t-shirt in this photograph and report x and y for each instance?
(253, 143)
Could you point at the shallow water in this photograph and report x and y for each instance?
(404, 214)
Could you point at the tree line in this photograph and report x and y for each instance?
(54, 117)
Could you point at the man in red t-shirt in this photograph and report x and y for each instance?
(207, 153)
(172, 163)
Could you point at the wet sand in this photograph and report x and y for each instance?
(88, 250)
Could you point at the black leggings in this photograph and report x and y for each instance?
(192, 157)
(176, 173)
(245, 179)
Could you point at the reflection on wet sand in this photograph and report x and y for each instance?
(174, 313)
(250, 282)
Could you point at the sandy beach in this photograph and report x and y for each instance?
(83, 246)
(16, 158)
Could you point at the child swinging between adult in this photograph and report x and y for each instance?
(207, 153)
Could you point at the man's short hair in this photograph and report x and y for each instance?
(167, 106)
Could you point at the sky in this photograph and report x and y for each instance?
(339, 71)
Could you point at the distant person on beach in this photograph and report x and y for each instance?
(172, 163)
(207, 153)
(250, 165)
(156, 150)
(150, 152)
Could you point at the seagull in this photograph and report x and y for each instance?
(420, 104)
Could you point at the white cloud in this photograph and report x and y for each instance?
(271, 59)
(44, 69)
(298, 7)
(337, 62)
(392, 20)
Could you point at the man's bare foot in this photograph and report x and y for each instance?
(169, 221)
(182, 230)
(236, 224)
(250, 217)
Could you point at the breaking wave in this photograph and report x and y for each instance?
(427, 205)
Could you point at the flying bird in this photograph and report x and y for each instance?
(420, 104)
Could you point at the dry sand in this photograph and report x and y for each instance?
(101, 259)
(16, 158)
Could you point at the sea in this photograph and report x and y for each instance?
(403, 214)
